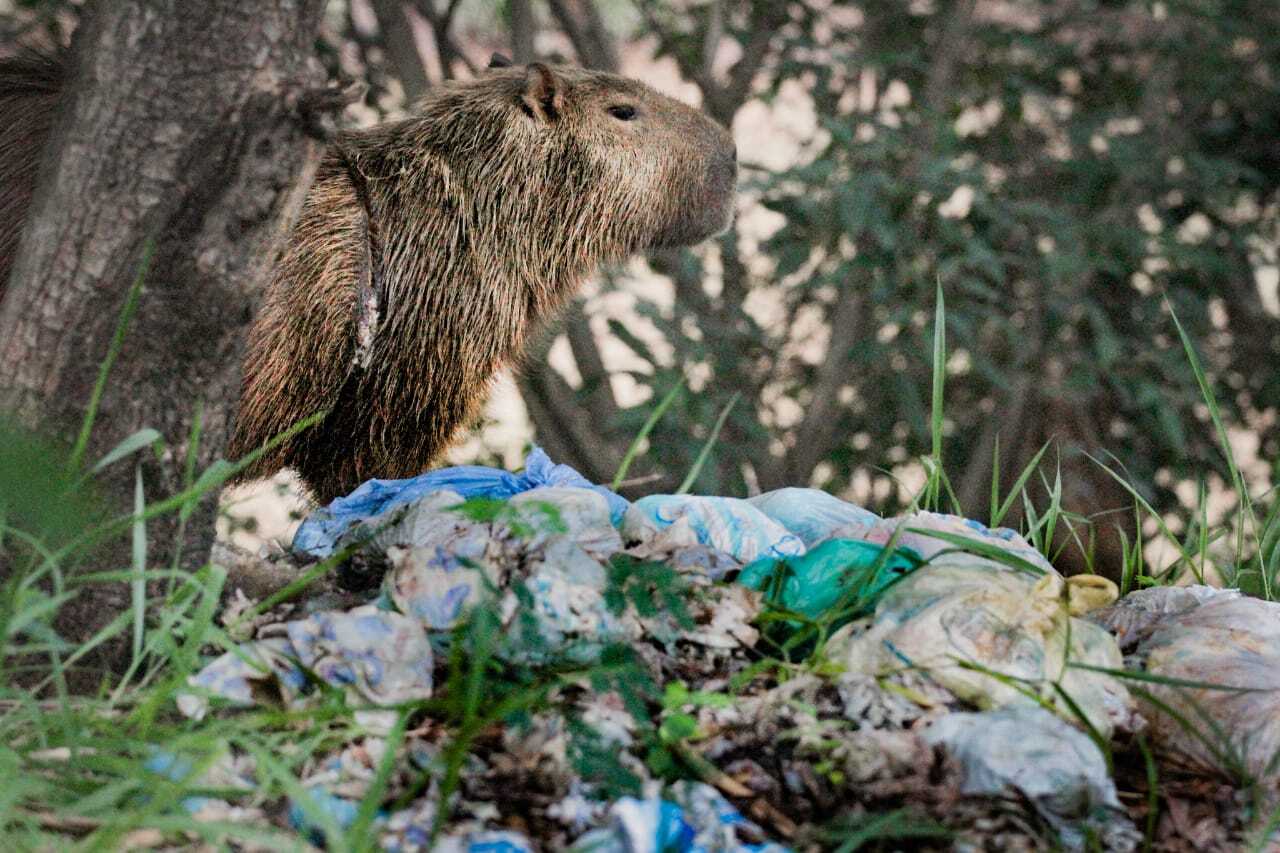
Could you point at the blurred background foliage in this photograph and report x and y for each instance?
(1068, 171)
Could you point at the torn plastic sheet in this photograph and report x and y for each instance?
(405, 831)
(439, 562)
(443, 563)
(731, 525)
(988, 633)
(692, 818)
(225, 770)
(567, 588)
(1060, 771)
(323, 528)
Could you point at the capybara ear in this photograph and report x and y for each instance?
(543, 96)
(499, 61)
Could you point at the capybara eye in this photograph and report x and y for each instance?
(623, 112)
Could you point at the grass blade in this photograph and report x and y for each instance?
(142, 438)
(1237, 479)
(938, 402)
(139, 582)
(113, 352)
(692, 476)
(1018, 486)
(634, 449)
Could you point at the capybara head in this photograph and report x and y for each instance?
(616, 164)
(667, 170)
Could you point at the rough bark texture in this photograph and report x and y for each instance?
(183, 124)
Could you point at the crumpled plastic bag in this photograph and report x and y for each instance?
(409, 831)
(693, 818)
(443, 562)
(1060, 771)
(811, 514)
(488, 841)
(324, 527)
(404, 831)
(376, 656)
(571, 614)
(918, 525)
(1134, 617)
(960, 618)
(1232, 641)
(549, 539)
(583, 515)
(817, 580)
(341, 810)
(226, 770)
(439, 562)
(679, 548)
(731, 525)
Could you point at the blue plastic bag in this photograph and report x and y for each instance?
(693, 818)
(731, 525)
(324, 527)
(812, 514)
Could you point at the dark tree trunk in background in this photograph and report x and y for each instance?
(402, 48)
(523, 29)
(185, 124)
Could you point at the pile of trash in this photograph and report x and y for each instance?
(813, 672)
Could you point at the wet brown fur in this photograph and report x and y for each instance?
(428, 249)
(29, 87)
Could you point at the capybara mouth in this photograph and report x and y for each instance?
(715, 200)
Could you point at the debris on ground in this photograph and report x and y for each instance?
(991, 635)
(1026, 750)
(1213, 701)
(693, 673)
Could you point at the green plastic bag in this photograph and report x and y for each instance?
(836, 569)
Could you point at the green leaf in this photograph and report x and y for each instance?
(145, 437)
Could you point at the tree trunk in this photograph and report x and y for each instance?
(402, 48)
(523, 28)
(182, 125)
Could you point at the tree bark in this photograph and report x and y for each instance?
(188, 126)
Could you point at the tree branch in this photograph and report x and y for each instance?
(723, 102)
(587, 32)
(523, 30)
(559, 428)
(596, 387)
(953, 44)
(401, 47)
(818, 433)
(441, 23)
